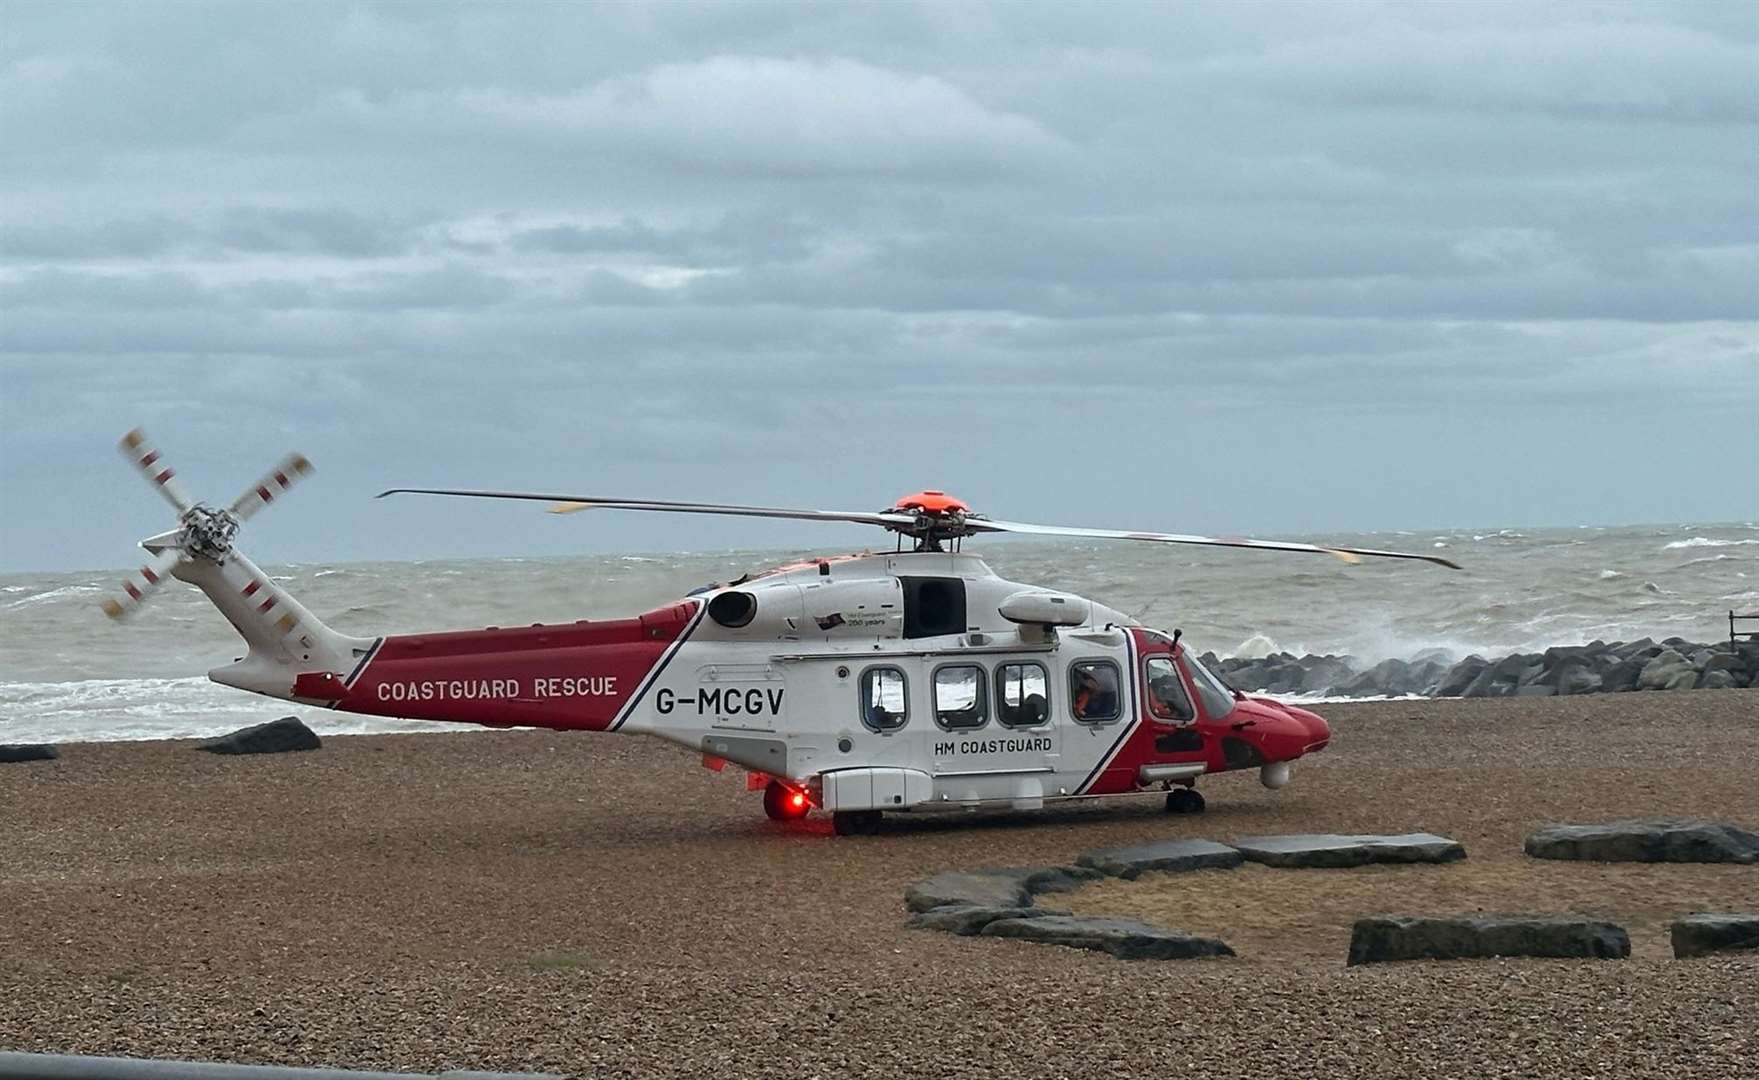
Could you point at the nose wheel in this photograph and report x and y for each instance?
(784, 803)
(1184, 801)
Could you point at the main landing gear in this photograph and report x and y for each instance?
(784, 803)
(1184, 800)
(855, 822)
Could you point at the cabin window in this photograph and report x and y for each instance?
(885, 699)
(933, 606)
(1167, 699)
(1093, 691)
(1022, 695)
(958, 696)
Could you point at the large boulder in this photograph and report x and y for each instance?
(1425, 674)
(1165, 855)
(1707, 932)
(1575, 677)
(1125, 939)
(1664, 670)
(1381, 938)
(275, 737)
(994, 888)
(1460, 676)
(1641, 648)
(1716, 680)
(1387, 677)
(17, 753)
(967, 920)
(1330, 851)
(1502, 678)
(1623, 674)
(1666, 840)
(1324, 672)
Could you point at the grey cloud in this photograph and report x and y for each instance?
(300, 230)
(752, 116)
(747, 237)
(763, 250)
(1627, 70)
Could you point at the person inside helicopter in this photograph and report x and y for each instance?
(1096, 692)
(1167, 699)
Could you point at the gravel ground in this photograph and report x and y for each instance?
(600, 906)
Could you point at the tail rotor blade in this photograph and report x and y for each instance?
(138, 449)
(273, 484)
(140, 585)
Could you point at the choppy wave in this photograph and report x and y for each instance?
(1704, 541)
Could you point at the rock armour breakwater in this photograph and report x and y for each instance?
(1597, 667)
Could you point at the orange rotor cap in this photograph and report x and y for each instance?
(935, 502)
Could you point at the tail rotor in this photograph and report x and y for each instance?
(203, 532)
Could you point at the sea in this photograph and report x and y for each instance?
(68, 673)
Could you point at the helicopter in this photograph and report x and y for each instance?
(907, 681)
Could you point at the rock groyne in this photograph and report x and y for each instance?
(1597, 667)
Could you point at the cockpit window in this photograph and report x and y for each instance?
(1218, 700)
(1167, 699)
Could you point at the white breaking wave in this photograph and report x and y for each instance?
(1704, 541)
(108, 710)
(53, 595)
(1608, 575)
(1256, 647)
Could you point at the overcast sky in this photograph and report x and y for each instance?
(1273, 269)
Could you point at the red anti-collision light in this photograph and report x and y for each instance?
(797, 800)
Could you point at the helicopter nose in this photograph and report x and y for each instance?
(1318, 731)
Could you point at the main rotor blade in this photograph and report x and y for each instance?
(1345, 553)
(146, 457)
(568, 504)
(274, 482)
(141, 584)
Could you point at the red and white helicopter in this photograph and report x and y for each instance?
(912, 680)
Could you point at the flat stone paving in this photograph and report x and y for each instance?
(1163, 856)
(966, 920)
(1711, 932)
(1333, 851)
(1126, 939)
(992, 902)
(1382, 938)
(1661, 840)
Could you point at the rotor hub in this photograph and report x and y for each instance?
(208, 531)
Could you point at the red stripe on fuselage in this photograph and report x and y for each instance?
(576, 676)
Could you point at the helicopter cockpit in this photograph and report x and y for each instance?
(1170, 701)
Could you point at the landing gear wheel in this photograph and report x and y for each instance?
(855, 822)
(1184, 801)
(784, 803)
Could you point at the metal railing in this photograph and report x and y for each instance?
(1752, 617)
(20, 1066)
